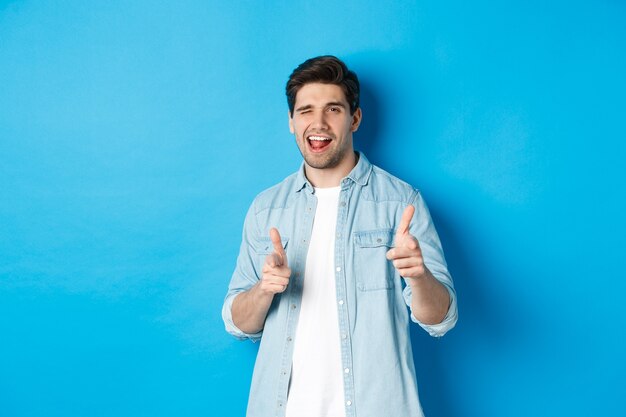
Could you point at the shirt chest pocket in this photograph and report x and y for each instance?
(373, 270)
(263, 247)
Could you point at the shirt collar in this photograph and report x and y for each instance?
(360, 174)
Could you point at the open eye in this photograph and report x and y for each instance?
(334, 109)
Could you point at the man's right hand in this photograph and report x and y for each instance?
(250, 308)
(276, 270)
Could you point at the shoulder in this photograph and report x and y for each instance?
(383, 186)
(276, 196)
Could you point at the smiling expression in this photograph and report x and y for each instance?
(323, 125)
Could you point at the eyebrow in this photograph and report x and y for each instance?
(329, 104)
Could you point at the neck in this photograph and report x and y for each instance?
(330, 177)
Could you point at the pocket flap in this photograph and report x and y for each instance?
(264, 245)
(374, 238)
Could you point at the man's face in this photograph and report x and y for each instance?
(322, 124)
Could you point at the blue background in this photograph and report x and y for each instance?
(134, 135)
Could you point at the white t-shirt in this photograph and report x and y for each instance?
(316, 385)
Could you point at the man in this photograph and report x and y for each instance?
(330, 259)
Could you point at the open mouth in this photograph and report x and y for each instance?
(318, 143)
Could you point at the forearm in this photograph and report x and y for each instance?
(249, 309)
(430, 299)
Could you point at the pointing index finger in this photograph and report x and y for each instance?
(405, 221)
(278, 245)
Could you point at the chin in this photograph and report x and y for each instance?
(323, 161)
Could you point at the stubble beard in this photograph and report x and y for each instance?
(330, 160)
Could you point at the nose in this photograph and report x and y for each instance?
(319, 121)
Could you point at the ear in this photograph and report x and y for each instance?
(291, 129)
(356, 120)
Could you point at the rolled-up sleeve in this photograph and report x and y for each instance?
(438, 330)
(245, 276)
(423, 229)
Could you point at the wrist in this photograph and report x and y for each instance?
(416, 281)
(261, 294)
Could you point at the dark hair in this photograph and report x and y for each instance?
(326, 69)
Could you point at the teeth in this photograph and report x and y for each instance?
(318, 138)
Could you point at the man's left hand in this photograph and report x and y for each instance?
(406, 254)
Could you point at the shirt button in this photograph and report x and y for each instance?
(347, 370)
(343, 204)
(289, 339)
(293, 306)
(348, 402)
(340, 302)
(344, 336)
(338, 269)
